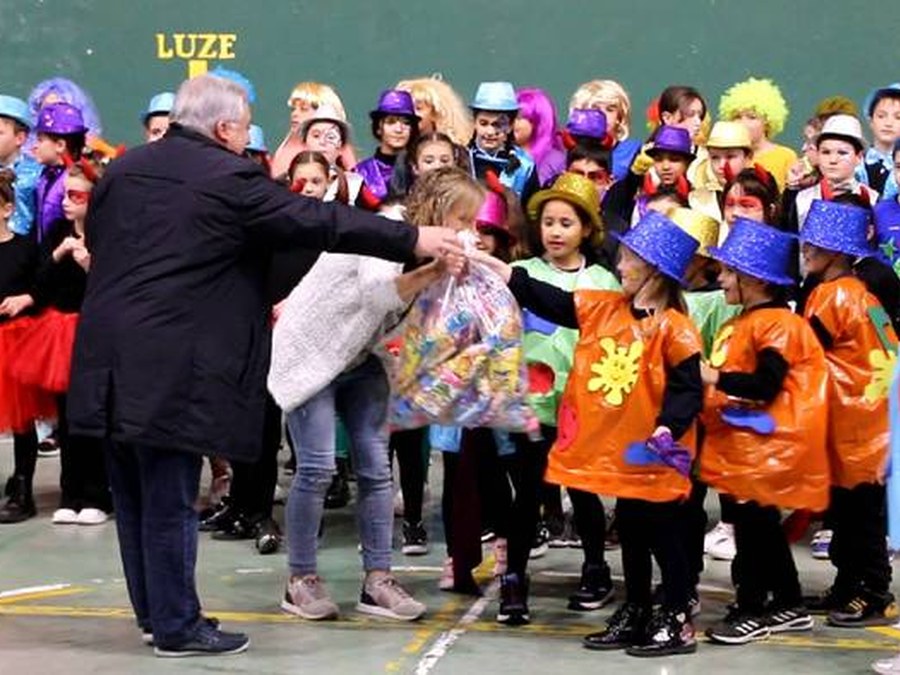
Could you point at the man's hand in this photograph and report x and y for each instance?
(437, 242)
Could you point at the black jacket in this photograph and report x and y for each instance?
(173, 342)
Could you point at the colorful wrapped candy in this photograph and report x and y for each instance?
(462, 361)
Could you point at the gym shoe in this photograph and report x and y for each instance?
(541, 545)
(147, 633)
(208, 640)
(415, 539)
(65, 517)
(308, 598)
(864, 611)
(48, 448)
(719, 542)
(625, 628)
(236, 528)
(384, 596)
(500, 556)
(268, 536)
(789, 620)
(827, 602)
(887, 666)
(739, 628)
(20, 504)
(445, 583)
(92, 516)
(594, 590)
(667, 633)
(694, 604)
(820, 543)
(513, 609)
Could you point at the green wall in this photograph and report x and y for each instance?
(813, 48)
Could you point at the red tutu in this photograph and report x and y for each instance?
(43, 356)
(20, 404)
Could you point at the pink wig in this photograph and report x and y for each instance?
(537, 107)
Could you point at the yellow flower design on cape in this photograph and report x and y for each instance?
(718, 353)
(617, 372)
(883, 364)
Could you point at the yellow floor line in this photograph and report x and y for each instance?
(40, 595)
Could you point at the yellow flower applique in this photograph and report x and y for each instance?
(883, 364)
(719, 353)
(617, 372)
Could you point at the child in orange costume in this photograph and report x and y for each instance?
(634, 388)
(860, 346)
(765, 432)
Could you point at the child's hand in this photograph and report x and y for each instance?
(497, 265)
(642, 163)
(65, 248)
(708, 374)
(81, 256)
(15, 305)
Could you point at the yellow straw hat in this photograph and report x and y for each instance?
(701, 227)
(729, 135)
(574, 189)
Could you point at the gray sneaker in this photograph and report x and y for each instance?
(384, 596)
(307, 597)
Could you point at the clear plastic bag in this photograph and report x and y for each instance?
(462, 361)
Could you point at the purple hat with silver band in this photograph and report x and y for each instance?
(587, 122)
(61, 119)
(837, 227)
(671, 139)
(394, 102)
(662, 244)
(757, 250)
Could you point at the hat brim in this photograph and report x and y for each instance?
(653, 152)
(538, 199)
(344, 127)
(858, 143)
(848, 250)
(620, 238)
(375, 115)
(717, 254)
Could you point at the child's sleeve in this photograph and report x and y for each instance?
(683, 396)
(545, 300)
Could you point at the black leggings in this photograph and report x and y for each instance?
(82, 478)
(253, 483)
(653, 528)
(590, 522)
(527, 468)
(858, 548)
(407, 446)
(25, 452)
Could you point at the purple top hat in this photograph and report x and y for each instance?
(671, 139)
(837, 227)
(587, 122)
(394, 102)
(757, 250)
(661, 243)
(61, 119)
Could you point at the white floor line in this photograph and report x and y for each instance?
(448, 638)
(416, 568)
(32, 589)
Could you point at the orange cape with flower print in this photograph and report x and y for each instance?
(860, 367)
(614, 395)
(789, 467)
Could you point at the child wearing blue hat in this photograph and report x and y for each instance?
(494, 109)
(15, 123)
(626, 422)
(860, 347)
(877, 170)
(156, 116)
(764, 448)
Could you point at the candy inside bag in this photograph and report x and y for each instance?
(461, 361)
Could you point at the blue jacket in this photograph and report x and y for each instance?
(27, 171)
(523, 180)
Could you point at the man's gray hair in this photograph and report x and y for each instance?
(205, 100)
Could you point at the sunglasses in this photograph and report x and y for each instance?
(598, 176)
(78, 197)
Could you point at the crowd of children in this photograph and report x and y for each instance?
(701, 309)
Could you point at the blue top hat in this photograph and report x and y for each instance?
(161, 104)
(671, 139)
(837, 227)
(394, 102)
(587, 122)
(16, 109)
(757, 250)
(495, 97)
(257, 142)
(661, 243)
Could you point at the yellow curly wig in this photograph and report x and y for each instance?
(759, 95)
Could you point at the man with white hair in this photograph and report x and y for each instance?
(173, 341)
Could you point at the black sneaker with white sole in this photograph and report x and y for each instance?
(415, 539)
(207, 640)
(513, 600)
(541, 543)
(789, 620)
(863, 611)
(739, 628)
(594, 590)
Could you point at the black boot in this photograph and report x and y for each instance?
(594, 590)
(668, 633)
(513, 600)
(626, 628)
(20, 505)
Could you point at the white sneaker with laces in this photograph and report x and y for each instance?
(308, 598)
(382, 595)
(91, 516)
(719, 542)
(65, 517)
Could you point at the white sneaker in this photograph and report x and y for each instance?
(308, 598)
(92, 517)
(65, 517)
(887, 666)
(446, 581)
(820, 544)
(384, 596)
(719, 542)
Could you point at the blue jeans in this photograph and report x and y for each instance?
(154, 491)
(360, 397)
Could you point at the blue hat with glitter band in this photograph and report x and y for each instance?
(16, 109)
(661, 243)
(495, 97)
(837, 227)
(160, 104)
(757, 250)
